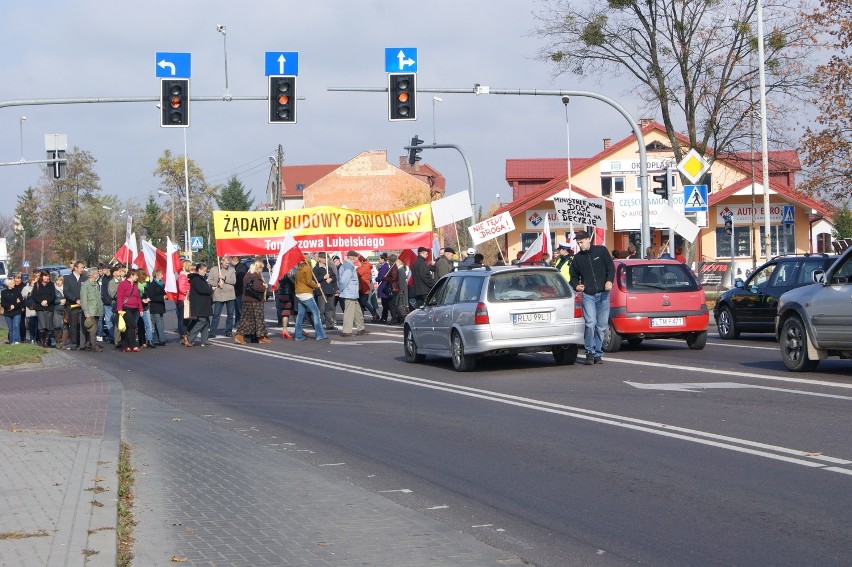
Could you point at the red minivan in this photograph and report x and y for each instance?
(655, 299)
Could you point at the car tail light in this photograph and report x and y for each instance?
(621, 278)
(578, 311)
(480, 317)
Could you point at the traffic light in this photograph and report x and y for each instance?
(729, 225)
(413, 150)
(661, 185)
(402, 95)
(174, 103)
(282, 99)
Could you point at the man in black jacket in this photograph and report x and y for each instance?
(593, 273)
(421, 275)
(73, 281)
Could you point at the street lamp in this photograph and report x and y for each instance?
(23, 119)
(161, 192)
(114, 219)
(221, 29)
(434, 100)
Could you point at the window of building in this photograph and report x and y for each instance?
(606, 186)
(618, 184)
(823, 243)
(742, 242)
(783, 239)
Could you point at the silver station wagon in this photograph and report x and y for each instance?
(485, 311)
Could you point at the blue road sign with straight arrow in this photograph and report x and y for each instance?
(281, 63)
(173, 65)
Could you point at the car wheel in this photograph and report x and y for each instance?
(461, 362)
(411, 354)
(697, 341)
(725, 324)
(635, 341)
(611, 340)
(565, 354)
(794, 346)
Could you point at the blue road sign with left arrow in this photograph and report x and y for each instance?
(173, 65)
(400, 59)
(281, 63)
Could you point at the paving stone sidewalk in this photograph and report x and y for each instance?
(209, 496)
(59, 443)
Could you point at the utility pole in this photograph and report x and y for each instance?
(278, 200)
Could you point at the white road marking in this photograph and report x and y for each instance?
(331, 465)
(696, 386)
(442, 507)
(728, 373)
(755, 448)
(403, 490)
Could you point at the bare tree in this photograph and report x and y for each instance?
(692, 61)
(827, 147)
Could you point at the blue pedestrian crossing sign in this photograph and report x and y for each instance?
(196, 242)
(788, 215)
(694, 198)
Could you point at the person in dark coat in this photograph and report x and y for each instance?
(421, 276)
(13, 308)
(200, 305)
(156, 292)
(44, 298)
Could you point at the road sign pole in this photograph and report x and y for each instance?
(733, 232)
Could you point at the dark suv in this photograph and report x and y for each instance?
(751, 305)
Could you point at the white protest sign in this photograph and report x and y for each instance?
(579, 211)
(679, 223)
(451, 208)
(492, 227)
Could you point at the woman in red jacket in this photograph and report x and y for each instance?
(128, 300)
(366, 295)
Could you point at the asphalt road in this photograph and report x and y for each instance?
(660, 456)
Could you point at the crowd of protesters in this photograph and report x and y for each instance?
(121, 306)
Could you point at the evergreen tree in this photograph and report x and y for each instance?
(152, 222)
(842, 224)
(234, 196)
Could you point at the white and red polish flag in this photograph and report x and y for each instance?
(290, 255)
(541, 246)
(172, 266)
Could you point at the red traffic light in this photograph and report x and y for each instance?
(174, 103)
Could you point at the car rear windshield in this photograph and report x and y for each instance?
(527, 285)
(655, 277)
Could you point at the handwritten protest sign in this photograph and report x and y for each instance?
(579, 211)
(491, 227)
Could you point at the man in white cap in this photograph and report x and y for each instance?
(468, 259)
(563, 260)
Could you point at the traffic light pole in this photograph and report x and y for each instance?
(466, 164)
(634, 125)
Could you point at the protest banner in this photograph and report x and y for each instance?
(260, 233)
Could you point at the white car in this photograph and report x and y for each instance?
(478, 312)
(815, 321)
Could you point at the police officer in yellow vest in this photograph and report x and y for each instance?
(563, 260)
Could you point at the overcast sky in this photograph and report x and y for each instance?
(106, 48)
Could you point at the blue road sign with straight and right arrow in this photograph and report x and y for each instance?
(400, 59)
(281, 63)
(174, 65)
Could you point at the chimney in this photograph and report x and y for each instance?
(645, 122)
(607, 143)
